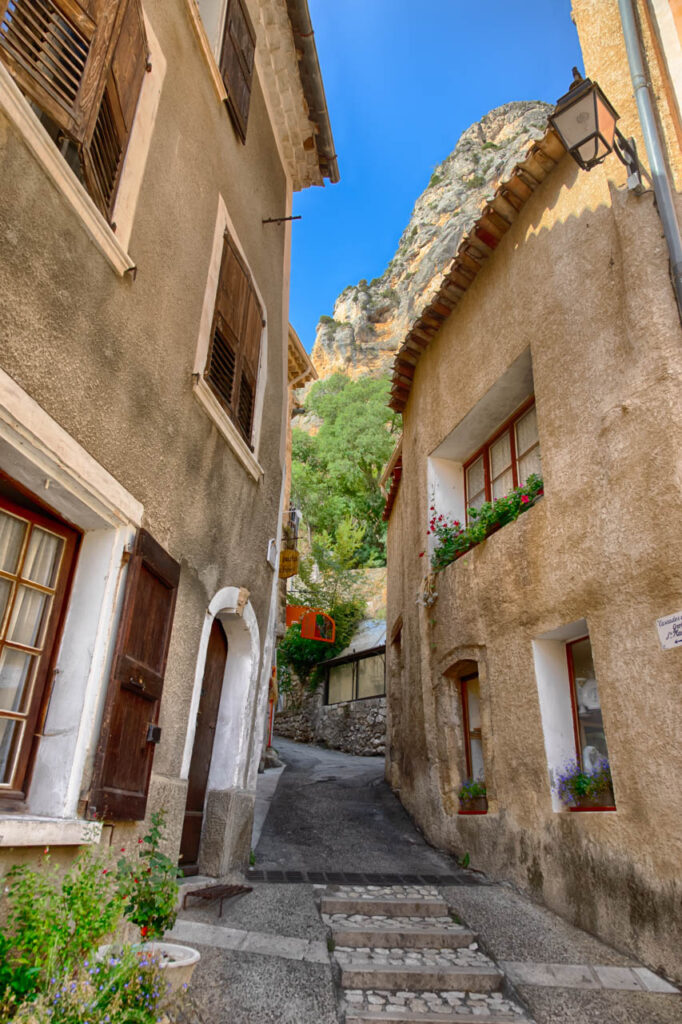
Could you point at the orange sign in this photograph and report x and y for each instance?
(288, 564)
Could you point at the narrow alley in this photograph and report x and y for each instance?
(354, 917)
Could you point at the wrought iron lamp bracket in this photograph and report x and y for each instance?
(626, 151)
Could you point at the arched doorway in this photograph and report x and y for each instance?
(226, 696)
(202, 751)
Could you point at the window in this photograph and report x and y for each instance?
(355, 680)
(236, 63)
(506, 460)
(36, 557)
(82, 67)
(234, 352)
(588, 724)
(471, 723)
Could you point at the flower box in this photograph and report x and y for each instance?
(474, 805)
(603, 801)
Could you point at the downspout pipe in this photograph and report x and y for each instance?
(654, 148)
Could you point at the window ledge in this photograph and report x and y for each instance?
(205, 47)
(30, 830)
(226, 427)
(16, 108)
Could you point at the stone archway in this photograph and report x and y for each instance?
(228, 810)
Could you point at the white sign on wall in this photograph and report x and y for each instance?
(670, 631)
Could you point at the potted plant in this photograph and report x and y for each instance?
(586, 791)
(473, 797)
(148, 886)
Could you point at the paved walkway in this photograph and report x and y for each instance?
(330, 827)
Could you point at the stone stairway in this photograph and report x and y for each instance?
(404, 959)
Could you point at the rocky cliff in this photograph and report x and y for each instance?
(371, 319)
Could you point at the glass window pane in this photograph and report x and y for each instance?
(500, 455)
(590, 723)
(10, 734)
(526, 431)
(477, 500)
(371, 676)
(42, 558)
(16, 669)
(12, 532)
(530, 463)
(503, 485)
(5, 591)
(475, 479)
(341, 683)
(475, 741)
(28, 617)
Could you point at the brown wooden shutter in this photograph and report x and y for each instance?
(232, 364)
(236, 63)
(123, 761)
(58, 52)
(106, 139)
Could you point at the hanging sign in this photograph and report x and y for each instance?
(670, 631)
(288, 564)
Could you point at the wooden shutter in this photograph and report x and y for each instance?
(107, 137)
(123, 761)
(232, 364)
(58, 52)
(236, 63)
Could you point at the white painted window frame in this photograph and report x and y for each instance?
(112, 244)
(39, 454)
(202, 390)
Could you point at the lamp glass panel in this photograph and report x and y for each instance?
(606, 121)
(577, 121)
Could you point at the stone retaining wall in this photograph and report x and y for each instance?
(356, 727)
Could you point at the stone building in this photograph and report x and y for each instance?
(553, 345)
(148, 155)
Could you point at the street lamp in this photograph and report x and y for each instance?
(585, 121)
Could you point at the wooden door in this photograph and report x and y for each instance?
(207, 717)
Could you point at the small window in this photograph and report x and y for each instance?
(232, 363)
(506, 460)
(82, 69)
(355, 680)
(36, 557)
(236, 63)
(471, 722)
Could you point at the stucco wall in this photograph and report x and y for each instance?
(582, 281)
(111, 358)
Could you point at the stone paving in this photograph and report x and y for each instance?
(377, 892)
(472, 1003)
(467, 957)
(423, 923)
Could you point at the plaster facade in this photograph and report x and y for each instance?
(578, 293)
(101, 420)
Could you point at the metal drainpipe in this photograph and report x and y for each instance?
(659, 172)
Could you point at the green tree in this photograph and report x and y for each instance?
(336, 472)
(326, 581)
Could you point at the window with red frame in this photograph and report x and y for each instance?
(588, 724)
(37, 553)
(471, 722)
(506, 460)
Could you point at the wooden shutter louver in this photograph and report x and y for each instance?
(105, 147)
(236, 63)
(123, 761)
(57, 51)
(232, 364)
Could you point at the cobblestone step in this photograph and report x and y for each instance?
(384, 907)
(363, 974)
(385, 1007)
(396, 935)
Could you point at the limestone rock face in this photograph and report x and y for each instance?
(371, 320)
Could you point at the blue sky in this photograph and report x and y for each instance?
(403, 79)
